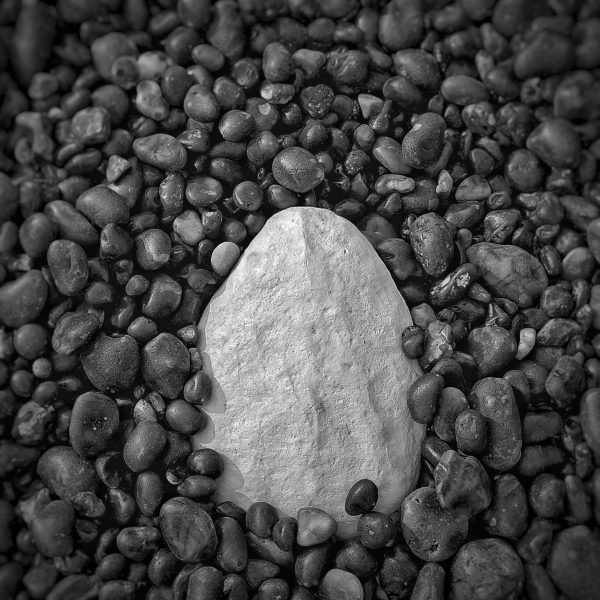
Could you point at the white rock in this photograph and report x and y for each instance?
(309, 395)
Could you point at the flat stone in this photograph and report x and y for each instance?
(303, 341)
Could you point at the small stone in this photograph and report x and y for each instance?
(188, 530)
(431, 532)
(494, 399)
(52, 529)
(438, 344)
(492, 347)
(341, 585)
(315, 526)
(102, 205)
(462, 485)
(422, 145)
(111, 363)
(375, 530)
(507, 515)
(224, 257)
(295, 246)
(556, 143)
(205, 583)
(589, 415)
(94, 421)
(527, 337)
(162, 151)
(73, 331)
(165, 365)
(297, 169)
(509, 272)
(22, 300)
(486, 569)
(432, 242)
(144, 445)
(67, 262)
(66, 474)
(232, 551)
(152, 249)
(362, 497)
(574, 562)
(91, 125)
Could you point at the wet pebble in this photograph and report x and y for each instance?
(573, 563)
(144, 445)
(486, 569)
(111, 363)
(462, 485)
(94, 421)
(297, 170)
(492, 347)
(23, 299)
(431, 239)
(165, 365)
(430, 531)
(161, 150)
(52, 529)
(494, 399)
(102, 205)
(68, 265)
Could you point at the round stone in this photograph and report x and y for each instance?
(297, 169)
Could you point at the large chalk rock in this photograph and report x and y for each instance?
(303, 343)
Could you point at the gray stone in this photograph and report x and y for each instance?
(303, 341)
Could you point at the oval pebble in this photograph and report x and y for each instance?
(188, 530)
(94, 421)
(297, 170)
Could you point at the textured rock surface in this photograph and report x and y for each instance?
(509, 272)
(310, 382)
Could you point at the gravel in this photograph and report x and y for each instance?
(142, 147)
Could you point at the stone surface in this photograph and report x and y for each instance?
(303, 341)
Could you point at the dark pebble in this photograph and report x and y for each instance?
(462, 485)
(102, 205)
(188, 530)
(486, 569)
(432, 242)
(144, 445)
(66, 474)
(205, 583)
(52, 529)
(507, 515)
(232, 552)
(430, 531)
(362, 497)
(493, 348)
(574, 562)
(297, 170)
(260, 518)
(111, 363)
(494, 399)
(71, 224)
(94, 421)
(22, 300)
(68, 265)
(165, 365)
(138, 543)
(162, 151)
(423, 396)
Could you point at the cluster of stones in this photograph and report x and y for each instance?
(145, 144)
